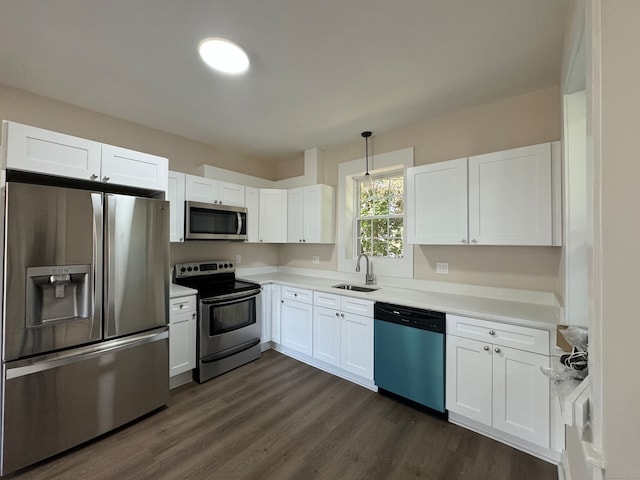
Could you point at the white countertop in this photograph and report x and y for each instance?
(516, 313)
(180, 291)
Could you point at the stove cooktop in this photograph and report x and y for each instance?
(211, 278)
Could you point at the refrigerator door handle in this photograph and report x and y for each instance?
(21, 368)
(96, 294)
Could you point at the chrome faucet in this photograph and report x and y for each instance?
(369, 278)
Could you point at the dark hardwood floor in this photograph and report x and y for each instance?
(277, 418)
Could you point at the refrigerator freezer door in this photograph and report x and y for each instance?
(57, 401)
(136, 264)
(53, 269)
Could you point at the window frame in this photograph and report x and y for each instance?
(398, 160)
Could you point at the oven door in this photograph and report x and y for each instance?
(229, 324)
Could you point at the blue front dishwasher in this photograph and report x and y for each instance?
(409, 356)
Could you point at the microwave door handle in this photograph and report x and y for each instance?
(239, 223)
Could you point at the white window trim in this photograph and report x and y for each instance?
(347, 172)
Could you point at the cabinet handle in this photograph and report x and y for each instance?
(94, 176)
(474, 241)
(105, 178)
(337, 314)
(303, 240)
(491, 332)
(295, 294)
(181, 306)
(260, 239)
(342, 315)
(281, 301)
(464, 240)
(193, 315)
(181, 239)
(497, 350)
(486, 349)
(299, 240)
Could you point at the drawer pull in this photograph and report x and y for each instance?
(491, 332)
(486, 349)
(497, 350)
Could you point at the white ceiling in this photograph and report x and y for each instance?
(321, 71)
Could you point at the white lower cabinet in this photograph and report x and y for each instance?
(265, 319)
(490, 382)
(357, 345)
(276, 313)
(326, 335)
(182, 335)
(297, 320)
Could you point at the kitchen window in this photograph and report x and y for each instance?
(379, 218)
(374, 224)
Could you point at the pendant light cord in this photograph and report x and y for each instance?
(366, 136)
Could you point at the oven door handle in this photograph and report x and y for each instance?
(231, 297)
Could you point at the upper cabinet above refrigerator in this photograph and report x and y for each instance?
(36, 150)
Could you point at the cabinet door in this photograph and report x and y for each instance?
(437, 203)
(175, 195)
(295, 215)
(297, 326)
(121, 166)
(182, 342)
(319, 214)
(469, 379)
(276, 313)
(252, 202)
(510, 201)
(326, 335)
(231, 194)
(273, 215)
(42, 151)
(266, 298)
(521, 394)
(357, 344)
(201, 189)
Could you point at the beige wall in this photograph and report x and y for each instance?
(184, 155)
(617, 155)
(514, 122)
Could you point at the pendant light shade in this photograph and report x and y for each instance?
(366, 136)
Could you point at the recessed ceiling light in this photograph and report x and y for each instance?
(223, 55)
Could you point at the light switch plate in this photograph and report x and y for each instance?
(315, 260)
(442, 268)
(238, 259)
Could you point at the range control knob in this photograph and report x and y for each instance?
(183, 269)
(226, 265)
(231, 265)
(219, 265)
(189, 269)
(195, 269)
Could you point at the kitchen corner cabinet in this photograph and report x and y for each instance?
(510, 197)
(175, 195)
(311, 214)
(493, 377)
(208, 190)
(272, 223)
(182, 335)
(42, 151)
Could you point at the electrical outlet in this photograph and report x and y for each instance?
(442, 268)
(315, 260)
(238, 259)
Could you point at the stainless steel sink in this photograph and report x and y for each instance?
(355, 288)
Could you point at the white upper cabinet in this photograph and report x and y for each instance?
(510, 198)
(437, 203)
(311, 214)
(208, 190)
(252, 202)
(503, 198)
(42, 151)
(273, 216)
(175, 195)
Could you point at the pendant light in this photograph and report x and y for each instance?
(366, 136)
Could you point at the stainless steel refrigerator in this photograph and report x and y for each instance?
(84, 316)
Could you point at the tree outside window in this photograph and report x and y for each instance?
(380, 216)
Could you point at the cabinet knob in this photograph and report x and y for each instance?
(474, 241)
(181, 239)
(491, 332)
(486, 349)
(105, 178)
(303, 240)
(260, 239)
(193, 315)
(342, 315)
(295, 294)
(497, 350)
(94, 176)
(464, 240)
(181, 306)
(281, 301)
(337, 314)
(299, 240)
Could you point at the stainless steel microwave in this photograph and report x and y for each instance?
(206, 221)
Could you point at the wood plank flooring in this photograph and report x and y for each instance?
(277, 418)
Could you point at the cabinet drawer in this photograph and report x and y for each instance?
(327, 300)
(357, 306)
(297, 294)
(514, 336)
(182, 304)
